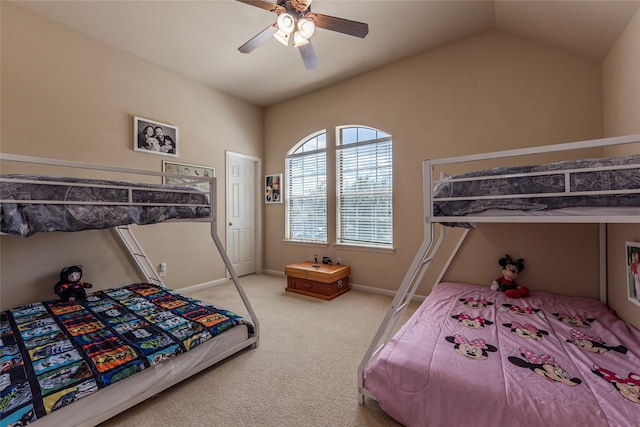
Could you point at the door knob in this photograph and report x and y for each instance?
(230, 224)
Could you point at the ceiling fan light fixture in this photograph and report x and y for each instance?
(286, 23)
(299, 39)
(306, 27)
(295, 25)
(282, 37)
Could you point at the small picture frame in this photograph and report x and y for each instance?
(633, 271)
(154, 137)
(187, 170)
(273, 188)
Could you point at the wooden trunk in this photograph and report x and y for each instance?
(326, 281)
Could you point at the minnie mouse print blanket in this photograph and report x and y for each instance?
(472, 356)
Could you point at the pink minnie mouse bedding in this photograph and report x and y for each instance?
(472, 356)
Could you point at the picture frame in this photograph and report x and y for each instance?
(273, 188)
(633, 271)
(154, 137)
(188, 169)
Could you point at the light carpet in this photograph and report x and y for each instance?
(302, 374)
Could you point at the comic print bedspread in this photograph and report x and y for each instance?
(54, 352)
(472, 356)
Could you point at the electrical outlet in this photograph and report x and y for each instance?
(339, 261)
(162, 269)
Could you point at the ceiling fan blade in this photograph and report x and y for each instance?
(264, 4)
(259, 38)
(309, 57)
(345, 26)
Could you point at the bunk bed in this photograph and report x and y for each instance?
(472, 356)
(79, 363)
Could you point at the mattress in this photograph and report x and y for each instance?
(550, 187)
(56, 353)
(38, 203)
(472, 356)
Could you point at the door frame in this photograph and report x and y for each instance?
(257, 165)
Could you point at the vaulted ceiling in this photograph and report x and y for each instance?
(200, 38)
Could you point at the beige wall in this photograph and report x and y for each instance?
(621, 82)
(490, 92)
(68, 96)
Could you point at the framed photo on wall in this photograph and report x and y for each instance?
(188, 170)
(155, 137)
(633, 271)
(273, 188)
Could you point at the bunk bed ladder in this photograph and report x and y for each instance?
(141, 259)
(403, 296)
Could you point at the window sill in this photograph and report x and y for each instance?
(362, 248)
(305, 243)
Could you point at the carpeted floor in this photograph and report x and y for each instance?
(303, 373)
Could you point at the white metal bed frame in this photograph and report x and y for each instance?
(146, 267)
(432, 238)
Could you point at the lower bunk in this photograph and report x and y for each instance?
(108, 352)
(472, 356)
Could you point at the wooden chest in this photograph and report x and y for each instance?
(326, 281)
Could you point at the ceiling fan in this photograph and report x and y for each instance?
(295, 26)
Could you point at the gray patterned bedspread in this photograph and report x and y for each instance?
(612, 179)
(19, 217)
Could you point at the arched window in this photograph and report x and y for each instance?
(364, 187)
(306, 189)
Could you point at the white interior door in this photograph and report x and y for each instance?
(241, 212)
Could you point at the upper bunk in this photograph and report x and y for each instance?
(588, 188)
(35, 202)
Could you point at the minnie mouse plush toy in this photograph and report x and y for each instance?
(507, 282)
(69, 287)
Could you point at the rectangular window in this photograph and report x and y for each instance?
(364, 191)
(307, 196)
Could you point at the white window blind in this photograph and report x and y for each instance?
(306, 202)
(364, 187)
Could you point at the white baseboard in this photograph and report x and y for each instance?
(388, 292)
(274, 272)
(200, 286)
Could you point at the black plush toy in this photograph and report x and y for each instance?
(70, 288)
